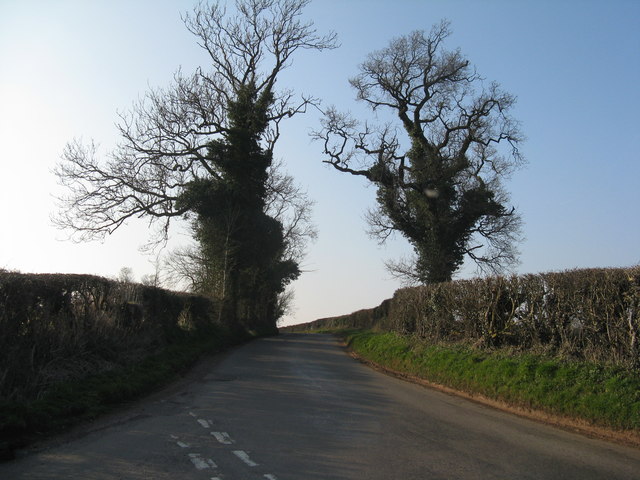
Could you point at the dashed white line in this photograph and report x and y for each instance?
(203, 422)
(201, 463)
(222, 437)
(178, 442)
(242, 455)
(198, 461)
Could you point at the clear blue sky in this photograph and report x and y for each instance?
(67, 67)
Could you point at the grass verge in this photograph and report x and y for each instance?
(601, 396)
(72, 402)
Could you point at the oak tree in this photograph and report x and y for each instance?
(439, 168)
(203, 149)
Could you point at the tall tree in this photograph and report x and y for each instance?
(242, 245)
(204, 148)
(206, 264)
(440, 185)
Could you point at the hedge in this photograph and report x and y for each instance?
(55, 328)
(589, 314)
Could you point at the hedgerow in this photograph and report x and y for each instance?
(589, 314)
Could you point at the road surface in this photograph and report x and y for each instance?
(298, 407)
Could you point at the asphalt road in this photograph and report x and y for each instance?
(298, 407)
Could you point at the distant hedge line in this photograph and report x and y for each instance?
(590, 314)
(56, 328)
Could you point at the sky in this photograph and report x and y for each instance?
(67, 67)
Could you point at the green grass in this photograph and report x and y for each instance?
(605, 396)
(72, 402)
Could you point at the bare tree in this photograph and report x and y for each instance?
(441, 184)
(154, 279)
(186, 268)
(125, 275)
(165, 136)
(290, 205)
(202, 149)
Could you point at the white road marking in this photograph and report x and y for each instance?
(268, 476)
(178, 442)
(201, 463)
(203, 422)
(198, 461)
(192, 414)
(242, 455)
(222, 437)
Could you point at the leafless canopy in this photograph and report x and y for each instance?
(164, 137)
(447, 111)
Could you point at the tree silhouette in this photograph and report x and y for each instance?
(203, 147)
(440, 185)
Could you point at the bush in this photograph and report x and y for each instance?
(71, 345)
(56, 328)
(590, 314)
